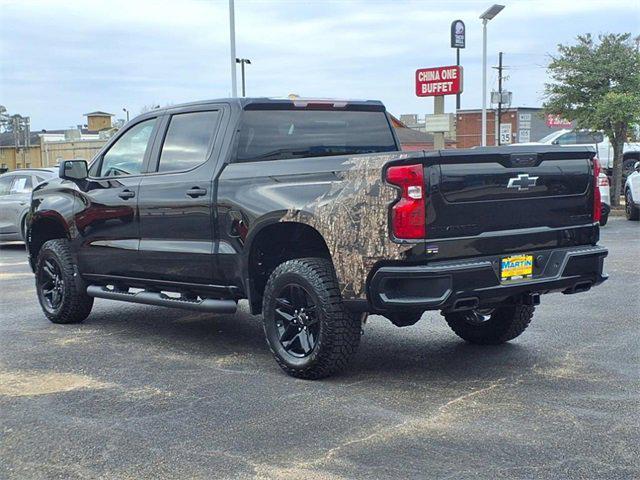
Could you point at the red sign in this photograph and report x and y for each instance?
(555, 121)
(434, 82)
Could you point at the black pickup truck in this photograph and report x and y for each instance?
(310, 211)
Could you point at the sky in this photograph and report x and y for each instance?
(61, 59)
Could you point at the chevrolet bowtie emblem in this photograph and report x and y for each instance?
(522, 182)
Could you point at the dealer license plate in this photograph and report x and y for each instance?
(516, 267)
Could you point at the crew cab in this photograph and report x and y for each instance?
(309, 210)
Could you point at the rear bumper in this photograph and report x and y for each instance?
(459, 284)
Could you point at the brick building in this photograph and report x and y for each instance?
(519, 125)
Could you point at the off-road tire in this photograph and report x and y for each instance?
(339, 331)
(404, 319)
(631, 211)
(505, 323)
(75, 305)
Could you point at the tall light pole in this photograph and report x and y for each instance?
(127, 112)
(243, 62)
(232, 33)
(491, 12)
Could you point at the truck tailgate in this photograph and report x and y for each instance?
(476, 191)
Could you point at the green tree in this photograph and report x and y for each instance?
(597, 85)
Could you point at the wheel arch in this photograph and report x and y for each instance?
(270, 245)
(42, 228)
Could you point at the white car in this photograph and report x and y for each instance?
(571, 138)
(632, 194)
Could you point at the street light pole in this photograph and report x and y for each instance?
(127, 112)
(484, 82)
(242, 62)
(232, 34)
(494, 10)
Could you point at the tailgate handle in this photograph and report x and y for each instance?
(520, 160)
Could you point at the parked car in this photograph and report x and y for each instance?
(632, 194)
(602, 144)
(605, 198)
(15, 193)
(308, 210)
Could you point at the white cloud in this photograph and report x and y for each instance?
(61, 58)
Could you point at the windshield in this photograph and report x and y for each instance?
(549, 138)
(285, 134)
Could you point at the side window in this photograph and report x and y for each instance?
(567, 139)
(125, 157)
(21, 184)
(589, 138)
(5, 184)
(187, 140)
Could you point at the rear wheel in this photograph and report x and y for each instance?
(491, 326)
(60, 292)
(308, 329)
(631, 211)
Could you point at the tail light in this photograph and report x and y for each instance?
(597, 200)
(408, 214)
(603, 181)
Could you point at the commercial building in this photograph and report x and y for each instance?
(47, 148)
(517, 125)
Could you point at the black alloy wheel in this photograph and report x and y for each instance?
(296, 319)
(51, 285)
(307, 327)
(61, 292)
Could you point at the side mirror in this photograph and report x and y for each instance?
(73, 170)
(636, 166)
(598, 137)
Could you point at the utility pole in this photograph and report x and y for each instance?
(499, 95)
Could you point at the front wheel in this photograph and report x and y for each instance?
(60, 292)
(308, 329)
(491, 326)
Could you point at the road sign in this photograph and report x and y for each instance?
(438, 81)
(505, 133)
(458, 34)
(438, 123)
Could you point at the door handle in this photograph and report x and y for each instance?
(125, 194)
(197, 192)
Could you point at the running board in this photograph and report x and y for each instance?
(162, 300)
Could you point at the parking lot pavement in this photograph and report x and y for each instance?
(144, 392)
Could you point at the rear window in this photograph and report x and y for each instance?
(284, 134)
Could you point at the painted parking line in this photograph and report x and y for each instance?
(15, 264)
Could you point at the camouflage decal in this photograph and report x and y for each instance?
(352, 216)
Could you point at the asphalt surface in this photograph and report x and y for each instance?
(143, 392)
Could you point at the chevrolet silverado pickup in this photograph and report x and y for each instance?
(309, 210)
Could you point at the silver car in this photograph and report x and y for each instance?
(15, 196)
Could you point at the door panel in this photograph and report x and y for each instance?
(107, 217)
(108, 225)
(176, 224)
(14, 205)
